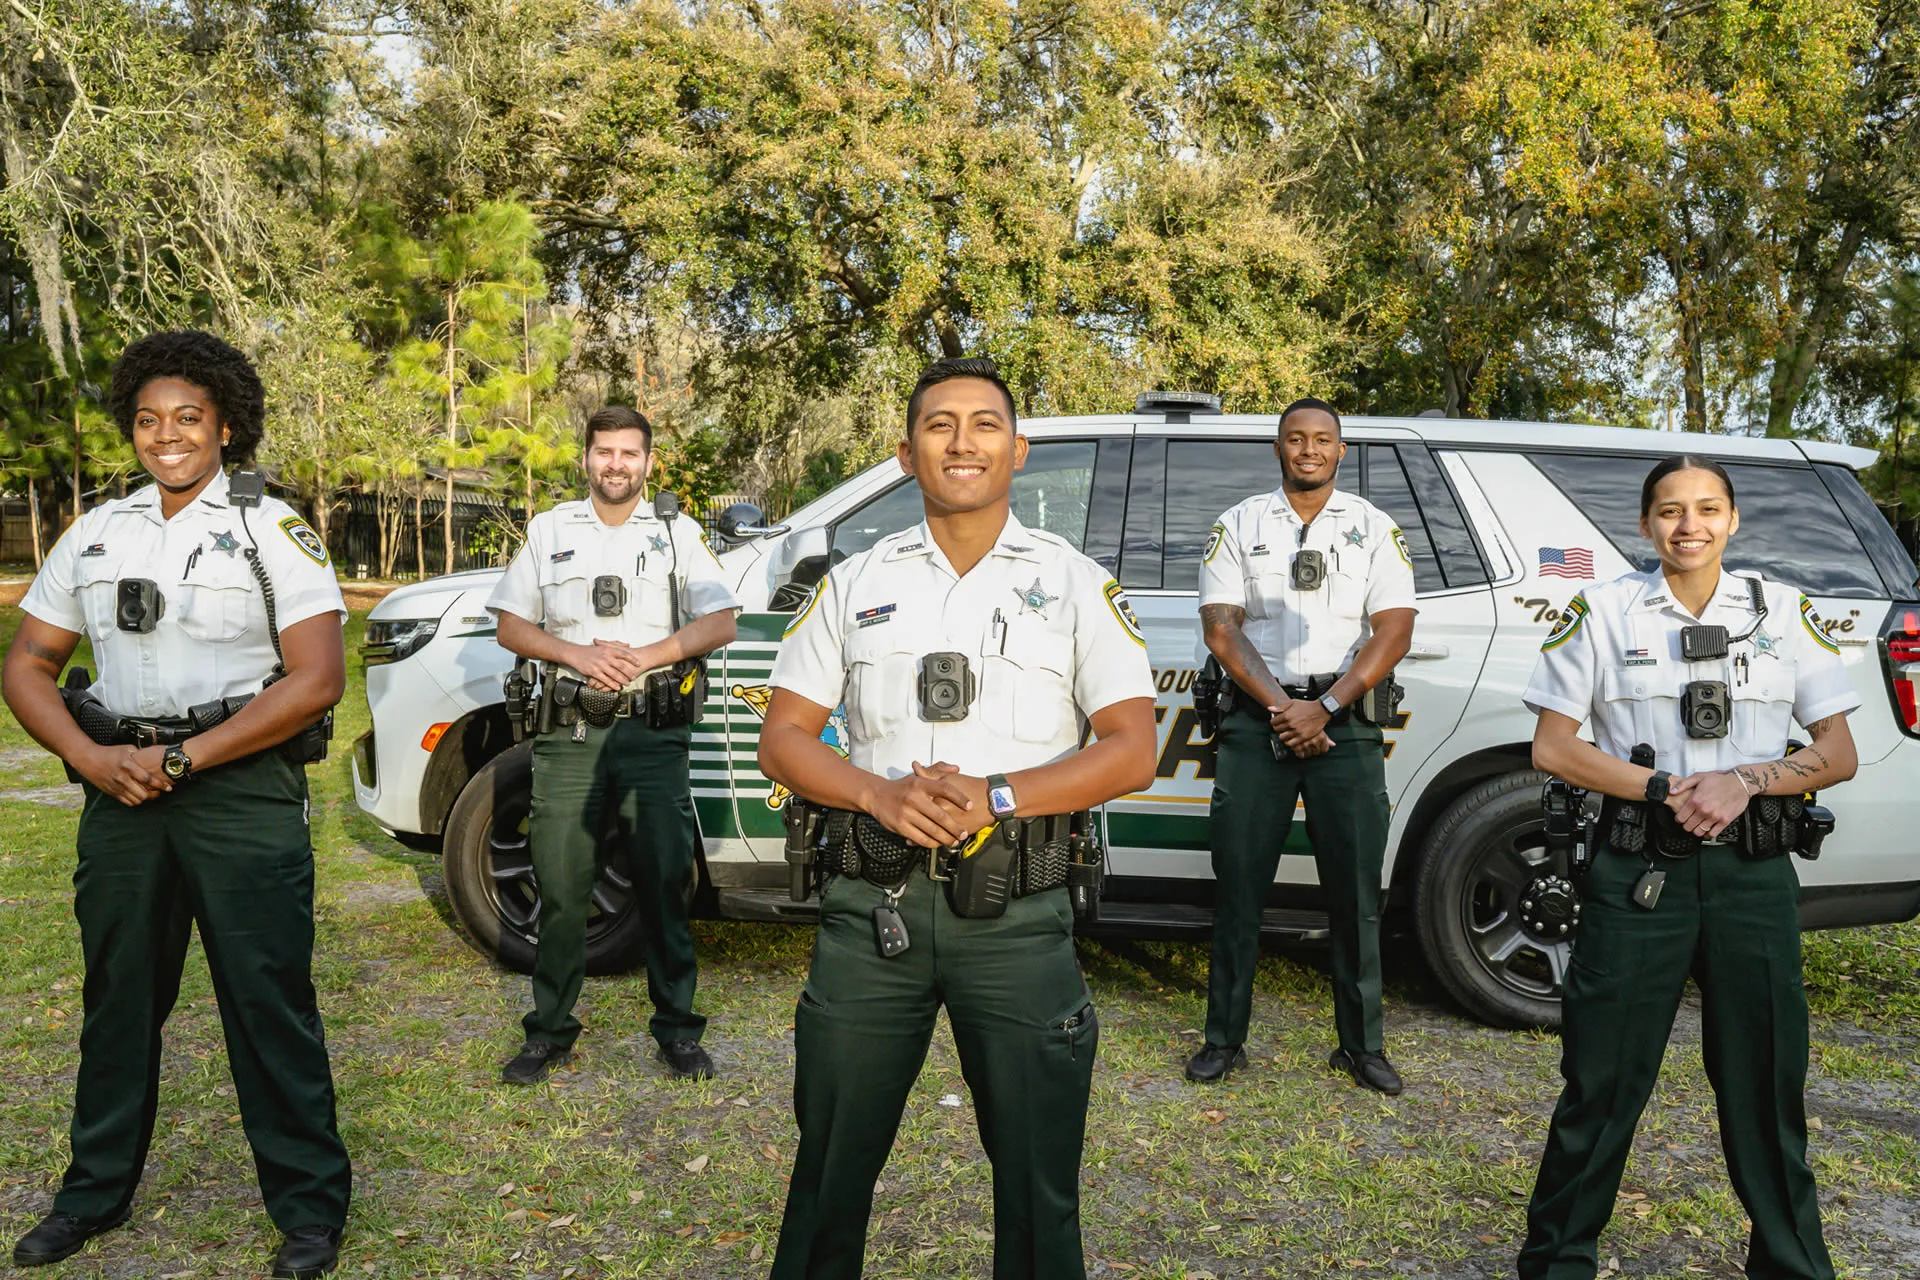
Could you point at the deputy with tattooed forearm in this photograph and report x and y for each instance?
(1708, 670)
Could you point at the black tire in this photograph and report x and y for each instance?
(1475, 867)
(490, 882)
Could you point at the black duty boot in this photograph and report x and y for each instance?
(308, 1253)
(61, 1235)
(687, 1060)
(1214, 1061)
(535, 1059)
(1370, 1070)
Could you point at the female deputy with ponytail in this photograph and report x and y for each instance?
(1689, 878)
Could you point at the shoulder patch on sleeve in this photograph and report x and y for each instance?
(801, 614)
(1816, 628)
(1123, 610)
(1570, 619)
(305, 538)
(1213, 542)
(1400, 545)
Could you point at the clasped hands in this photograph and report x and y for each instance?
(1704, 803)
(610, 664)
(934, 805)
(130, 775)
(1301, 726)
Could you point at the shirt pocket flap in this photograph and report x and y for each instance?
(1635, 684)
(1769, 682)
(213, 601)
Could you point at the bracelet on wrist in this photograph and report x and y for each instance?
(1741, 778)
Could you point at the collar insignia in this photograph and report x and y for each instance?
(1356, 537)
(225, 541)
(1034, 599)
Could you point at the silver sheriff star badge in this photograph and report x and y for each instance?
(225, 541)
(659, 543)
(1035, 599)
(1764, 643)
(1356, 537)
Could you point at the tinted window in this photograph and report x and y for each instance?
(1453, 542)
(1387, 489)
(1791, 529)
(1140, 546)
(1051, 492)
(1882, 543)
(1204, 479)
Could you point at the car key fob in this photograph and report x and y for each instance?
(889, 930)
(1646, 890)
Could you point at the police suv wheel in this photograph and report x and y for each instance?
(490, 883)
(1495, 914)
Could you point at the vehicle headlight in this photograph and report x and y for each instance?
(391, 639)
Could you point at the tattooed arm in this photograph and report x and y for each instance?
(1222, 626)
(1709, 801)
(1828, 760)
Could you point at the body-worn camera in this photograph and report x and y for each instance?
(1704, 708)
(609, 595)
(1703, 643)
(1309, 569)
(138, 605)
(946, 686)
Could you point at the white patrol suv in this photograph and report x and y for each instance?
(1506, 521)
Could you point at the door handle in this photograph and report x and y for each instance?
(1426, 652)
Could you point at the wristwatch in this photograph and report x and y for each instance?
(1657, 786)
(1000, 801)
(1331, 703)
(175, 763)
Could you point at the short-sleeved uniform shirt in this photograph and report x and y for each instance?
(550, 583)
(1614, 658)
(1048, 636)
(1305, 632)
(211, 640)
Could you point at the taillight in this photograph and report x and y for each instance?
(1901, 644)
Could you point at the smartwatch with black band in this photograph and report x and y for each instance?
(1331, 704)
(1000, 799)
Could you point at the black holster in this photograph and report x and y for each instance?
(806, 826)
(1209, 687)
(678, 695)
(1377, 705)
(1569, 831)
(521, 693)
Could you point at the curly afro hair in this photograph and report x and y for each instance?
(208, 363)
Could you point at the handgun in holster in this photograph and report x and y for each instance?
(805, 824)
(521, 694)
(1569, 833)
(1206, 696)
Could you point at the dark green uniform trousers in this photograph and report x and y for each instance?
(1252, 815)
(1734, 926)
(626, 784)
(230, 852)
(1025, 1027)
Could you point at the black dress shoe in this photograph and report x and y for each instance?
(1214, 1061)
(61, 1235)
(687, 1060)
(308, 1253)
(535, 1059)
(1370, 1069)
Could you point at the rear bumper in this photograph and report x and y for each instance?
(1837, 906)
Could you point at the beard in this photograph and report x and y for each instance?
(615, 489)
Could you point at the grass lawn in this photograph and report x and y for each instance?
(613, 1171)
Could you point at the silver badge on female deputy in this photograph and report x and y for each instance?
(1034, 599)
(225, 541)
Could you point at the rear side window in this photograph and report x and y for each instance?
(1791, 527)
(1405, 482)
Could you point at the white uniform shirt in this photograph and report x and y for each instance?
(1048, 635)
(1614, 658)
(1300, 633)
(550, 583)
(211, 640)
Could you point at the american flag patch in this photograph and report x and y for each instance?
(1636, 653)
(1566, 562)
(874, 616)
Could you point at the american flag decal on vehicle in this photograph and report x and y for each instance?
(1566, 562)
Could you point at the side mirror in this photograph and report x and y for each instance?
(743, 522)
(799, 562)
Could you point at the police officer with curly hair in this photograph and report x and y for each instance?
(215, 619)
